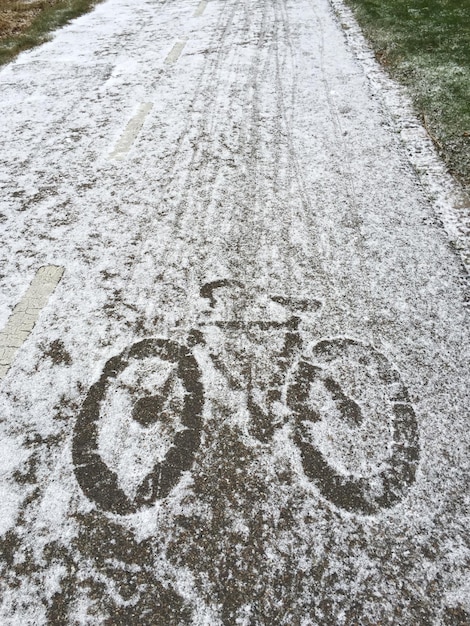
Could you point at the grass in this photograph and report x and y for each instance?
(425, 44)
(27, 23)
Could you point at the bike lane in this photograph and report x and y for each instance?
(246, 400)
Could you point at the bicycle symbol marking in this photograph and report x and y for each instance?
(312, 386)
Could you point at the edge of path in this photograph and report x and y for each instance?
(450, 202)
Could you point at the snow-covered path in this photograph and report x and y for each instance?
(245, 399)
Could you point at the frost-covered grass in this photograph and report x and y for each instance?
(27, 23)
(426, 45)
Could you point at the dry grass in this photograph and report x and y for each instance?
(17, 16)
(27, 23)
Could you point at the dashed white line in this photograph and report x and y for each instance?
(176, 51)
(132, 130)
(26, 313)
(200, 9)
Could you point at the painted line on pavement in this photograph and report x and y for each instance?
(200, 9)
(176, 51)
(132, 130)
(25, 314)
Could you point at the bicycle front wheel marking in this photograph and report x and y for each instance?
(324, 373)
(98, 481)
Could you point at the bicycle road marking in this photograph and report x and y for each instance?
(175, 52)
(26, 313)
(200, 8)
(363, 493)
(130, 133)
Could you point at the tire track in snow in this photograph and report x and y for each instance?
(176, 164)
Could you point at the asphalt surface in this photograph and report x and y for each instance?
(234, 378)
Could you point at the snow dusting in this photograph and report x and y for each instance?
(246, 400)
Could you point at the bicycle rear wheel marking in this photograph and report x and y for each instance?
(365, 495)
(97, 481)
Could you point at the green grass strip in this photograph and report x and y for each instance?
(49, 19)
(425, 44)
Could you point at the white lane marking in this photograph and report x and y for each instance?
(132, 130)
(26, 312)
(176, 51)
(200, 9)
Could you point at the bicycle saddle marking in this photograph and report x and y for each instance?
(207, 290)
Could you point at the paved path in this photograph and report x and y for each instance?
(234, 364)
